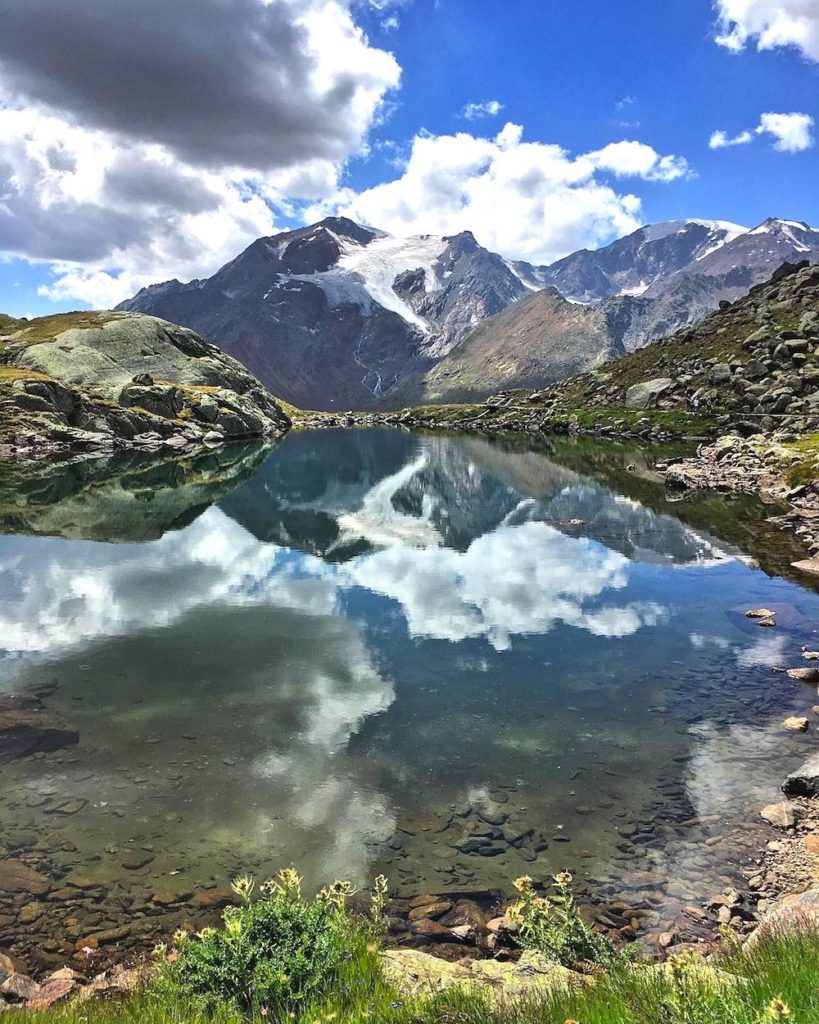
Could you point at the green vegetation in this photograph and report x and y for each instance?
(552, 925)
(806, 469)
(44, 328)
(284, 958)
(278, 953)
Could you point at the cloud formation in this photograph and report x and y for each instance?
(187, 130)
(474, 111)
(770, 24)
(218, 83)
(527, 200)
(791, 133)
(161, 152)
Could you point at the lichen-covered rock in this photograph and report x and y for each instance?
(791, 915)
(111, 380)
(646, 394)
(414, 973)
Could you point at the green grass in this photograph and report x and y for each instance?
(807, 469)
(44, 328)
(751, 990)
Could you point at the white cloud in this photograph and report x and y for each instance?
(630, 159)
(791, 132)
(721, 139)
(769, 23)
(526, 200)
(473, 111)
(118, 185)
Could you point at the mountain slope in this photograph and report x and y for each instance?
(631, 265)
(539, 340)
(335, 315)
(752, 366)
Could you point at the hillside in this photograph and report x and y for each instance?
(107, 380)
(541, 338)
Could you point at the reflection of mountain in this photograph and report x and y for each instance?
(126, 497)
(344, 493)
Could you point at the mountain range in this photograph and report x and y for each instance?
(337, 315)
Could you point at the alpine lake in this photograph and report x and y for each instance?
(448, 659)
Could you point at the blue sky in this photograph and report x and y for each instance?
(101, 192)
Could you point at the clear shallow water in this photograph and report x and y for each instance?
(450, 660)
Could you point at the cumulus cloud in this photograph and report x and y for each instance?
(474, 111)
(791, 133)
(527, 200)
(189, 129)
(770, 24)
(216, 82)
(162, 151)
(630, 159)
(721, 139)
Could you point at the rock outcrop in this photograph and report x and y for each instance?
(417, 974)
(107, 380)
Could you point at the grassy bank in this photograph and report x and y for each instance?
(778, 981)
(286, 958)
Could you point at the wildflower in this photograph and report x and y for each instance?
(523, 884)
(283, 978)
(180, 937)
(263, 1012)
(778, 1010)
(396, 1004)
(233, 925)
(243, 886)
(563, 878)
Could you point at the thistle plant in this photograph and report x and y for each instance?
(279, 952)
(552, 924)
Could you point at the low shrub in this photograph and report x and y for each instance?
(276, 954)
(552, 925)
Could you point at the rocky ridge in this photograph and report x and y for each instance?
(103, 381)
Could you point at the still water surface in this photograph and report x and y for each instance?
(447, 659)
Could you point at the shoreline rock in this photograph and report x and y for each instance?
(100, 382)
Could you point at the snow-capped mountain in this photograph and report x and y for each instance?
(335, 315)
(632, 265)
(338, 316)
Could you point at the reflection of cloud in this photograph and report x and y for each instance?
(765, 651)
(68, 593)
(520, 579)
(307, 679)
(733, 772)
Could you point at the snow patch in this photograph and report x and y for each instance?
(366, 273)
(637, 290)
